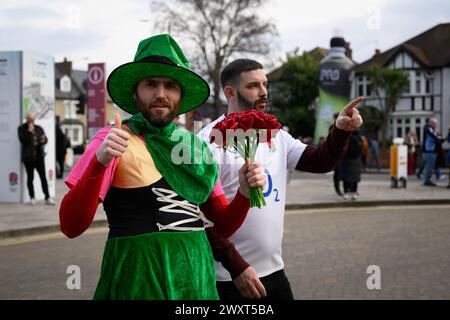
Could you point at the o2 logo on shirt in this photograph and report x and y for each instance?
(270, 187)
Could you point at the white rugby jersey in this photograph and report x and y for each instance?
(259, 238)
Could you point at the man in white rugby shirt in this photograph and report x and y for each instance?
(250, 263)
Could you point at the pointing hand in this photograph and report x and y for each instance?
(349, 118)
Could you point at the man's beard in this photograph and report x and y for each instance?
(246, 104)
(153, 115)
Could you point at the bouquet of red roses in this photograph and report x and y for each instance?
(242, 132)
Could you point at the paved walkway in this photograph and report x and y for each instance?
(327, 254)
(331, 254)
(304, 191)
(317, 190)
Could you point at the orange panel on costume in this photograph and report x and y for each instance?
(135, 168)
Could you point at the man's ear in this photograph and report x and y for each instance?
(229, 92)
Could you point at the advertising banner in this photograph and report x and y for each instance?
(96, 98)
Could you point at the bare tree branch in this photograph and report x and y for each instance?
(217, 30)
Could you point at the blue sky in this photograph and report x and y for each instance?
(106, 31)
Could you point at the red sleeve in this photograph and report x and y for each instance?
(225, 252)
(79, 205)
(227, 217)
(328, 155)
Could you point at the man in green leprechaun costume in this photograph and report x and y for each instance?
(157, 208)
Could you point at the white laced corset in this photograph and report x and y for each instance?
(184, 207)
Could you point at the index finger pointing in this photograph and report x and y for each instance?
(354, 103)
(117, 121)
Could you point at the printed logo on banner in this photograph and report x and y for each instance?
(13, 179)
(95, 75)
(96, 97)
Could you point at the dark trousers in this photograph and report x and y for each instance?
(350, 187)
(39, 165)
(277, 288)
(337, 181)
(60, 168)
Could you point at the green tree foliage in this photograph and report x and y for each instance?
(217, 30)
(294, 94)
(388, 86)
(373, 119)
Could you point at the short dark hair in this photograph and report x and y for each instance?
(230, 74)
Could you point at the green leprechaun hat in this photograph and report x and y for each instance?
(157, 56)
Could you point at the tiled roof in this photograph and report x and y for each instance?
(430, 48)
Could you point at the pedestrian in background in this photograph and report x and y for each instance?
(62, 143)
(336, 175)
(350, 167)
(430, 147)
(440, 159)
(373, 147)
(33, 139)
(365, 151)
(412, 142)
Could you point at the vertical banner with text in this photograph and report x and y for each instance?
(96, 98)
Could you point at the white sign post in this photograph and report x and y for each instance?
(10, 118)
(38, 95)
(27, 84)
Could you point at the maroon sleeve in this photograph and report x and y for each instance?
(227, 217)
(79, 205)
(225, 253)
(327, 156)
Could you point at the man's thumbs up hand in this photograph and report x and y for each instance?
(117, 121)
(114, 144)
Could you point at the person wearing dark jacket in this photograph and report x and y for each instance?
(431, 141)
(62, 143)
(350, 167)
(336, 176)
(33, 139)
